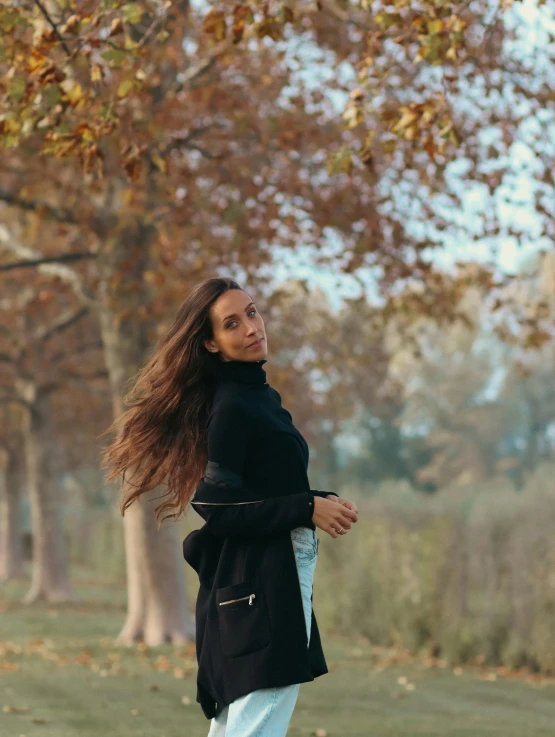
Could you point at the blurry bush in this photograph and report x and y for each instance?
(466, 574)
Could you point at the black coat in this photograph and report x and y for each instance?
(250, 625)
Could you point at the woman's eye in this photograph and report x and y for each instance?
(233, 321)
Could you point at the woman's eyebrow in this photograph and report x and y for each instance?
(235, 314)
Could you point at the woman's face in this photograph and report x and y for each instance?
(236, 325)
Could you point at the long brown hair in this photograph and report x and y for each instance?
(163, 433)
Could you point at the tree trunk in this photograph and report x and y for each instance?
(50, 572)
(158, 609)
(157, 602)
(11, 547)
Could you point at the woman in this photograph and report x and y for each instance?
(205, 420)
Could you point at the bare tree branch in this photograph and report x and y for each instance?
(61, 271)
(155, 23)
(333, 8)
(205, 153)
(100, 374)
(178, 141)
(203, 65)
(61, 323)
(61, 355)
(44, 11)
(60, 214)
(62, 258)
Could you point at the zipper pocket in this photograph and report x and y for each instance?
(250, 597)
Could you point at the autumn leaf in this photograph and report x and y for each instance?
(71, 25)
(132, 12)
(36, 61)
(96, 73)
(125, 87)
(116, 27)
(269, 27)
(74, 93)
(407, 119)
(214, 24)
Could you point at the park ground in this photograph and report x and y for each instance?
(61, 675)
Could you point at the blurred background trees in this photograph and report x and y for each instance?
(371, 173)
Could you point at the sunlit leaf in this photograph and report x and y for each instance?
(132, 12)
(214, 24)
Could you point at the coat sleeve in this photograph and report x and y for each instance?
(257, 518)
(323, 494)
(223, 500)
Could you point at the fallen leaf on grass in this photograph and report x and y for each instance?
(10, 708)
(9, 647)
(162, 663)
(83, 658)
(488, 677)
(7, 667)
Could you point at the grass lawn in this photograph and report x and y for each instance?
(61, 676)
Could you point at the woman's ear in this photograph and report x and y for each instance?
(210, 346)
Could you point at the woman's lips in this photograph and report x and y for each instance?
(255, 345)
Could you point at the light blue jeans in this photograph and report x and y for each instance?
(266, 712)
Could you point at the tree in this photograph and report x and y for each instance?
(132, 224)
(36, 323)
(12, 466)
(152, 146)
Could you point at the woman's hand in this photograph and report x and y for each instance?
(334, 517)
(345, 502)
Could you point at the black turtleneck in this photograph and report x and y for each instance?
(245, 372)
(250, 433)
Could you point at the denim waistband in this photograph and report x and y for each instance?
(304, 533)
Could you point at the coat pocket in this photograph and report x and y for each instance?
(243, 618)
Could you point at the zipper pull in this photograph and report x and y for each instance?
(251, 597)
